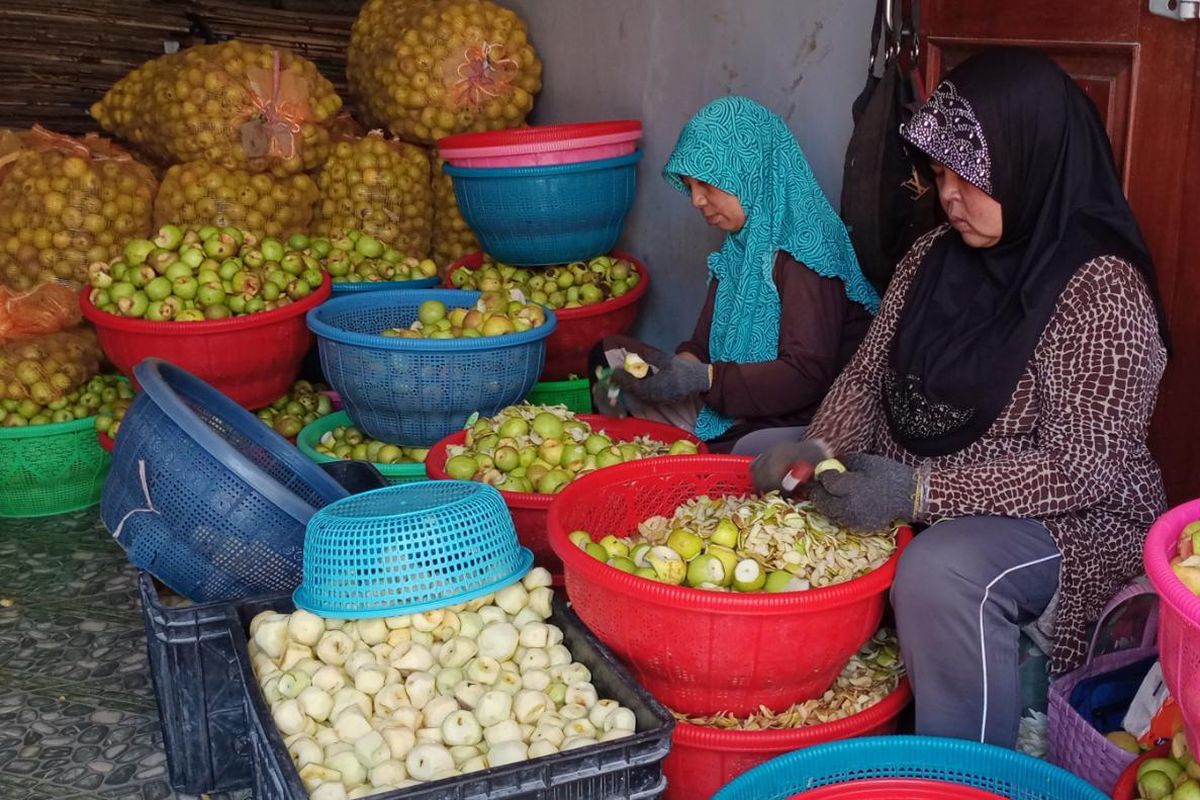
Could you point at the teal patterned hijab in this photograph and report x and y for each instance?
(743, 148)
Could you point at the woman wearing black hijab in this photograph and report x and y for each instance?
(1002, 395)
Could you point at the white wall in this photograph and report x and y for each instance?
(659, 61)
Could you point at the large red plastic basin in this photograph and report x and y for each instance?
(580, 329)
(254, 359)
(698, 651)
(702, 760)
(529, 508)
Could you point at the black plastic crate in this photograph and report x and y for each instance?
(198, 682)
(625, 769)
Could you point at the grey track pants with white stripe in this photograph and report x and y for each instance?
(963, 590)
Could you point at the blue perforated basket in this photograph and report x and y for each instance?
(529, 216)
(416, 392)
(204, 496)
(409, 548)
(357, 287)
(994, 769)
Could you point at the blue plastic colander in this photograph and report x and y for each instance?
(204, 496)
(355, 287)
(417, 391)
(409, 548)
(994, 769)
(530, 216)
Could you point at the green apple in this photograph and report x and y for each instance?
(686, 543)
(623, 564)
(580, 539)
(615, 546)
(596, 551)
(706, 569)
(462, 468)
(726, 534)
(748, 576)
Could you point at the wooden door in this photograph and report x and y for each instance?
(1142, 72)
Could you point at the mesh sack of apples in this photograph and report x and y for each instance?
(66, 203)
(380, 187)
(45, 369)
(451, 238)
(236, 104)
(428, 68)
(201, 193)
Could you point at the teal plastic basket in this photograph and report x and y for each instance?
(409, 548)
(311, 434)
(994, 769)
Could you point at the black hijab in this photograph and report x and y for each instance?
(1012, 123)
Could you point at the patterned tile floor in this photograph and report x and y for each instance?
(78, 717)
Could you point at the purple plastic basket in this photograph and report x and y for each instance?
(1074, 744)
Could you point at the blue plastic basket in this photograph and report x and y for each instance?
(994, 769)
(409, 548)
(416, 392)
(348, 287)
(530, 216)
(204, 496)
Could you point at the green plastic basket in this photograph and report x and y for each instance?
(575, 394)
(51, 469)
(312, 433)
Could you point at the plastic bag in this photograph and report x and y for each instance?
(429, 68)
(240, 105)
(200, 193)
(67, 203)
(380, 187)
(47, 368)
(48, 308)
(452, 237)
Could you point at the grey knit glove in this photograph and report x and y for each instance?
(772, 464)
(673, 378)
(872, 492)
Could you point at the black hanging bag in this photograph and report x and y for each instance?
(888, 202)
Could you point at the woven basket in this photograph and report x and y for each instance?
(1073, 743)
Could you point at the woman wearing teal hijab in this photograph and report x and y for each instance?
(787, 303)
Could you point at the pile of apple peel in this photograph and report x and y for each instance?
(1187, 564)
(872, 674)
(743, 543)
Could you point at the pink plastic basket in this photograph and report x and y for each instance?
(1179, 617)
(542, 145)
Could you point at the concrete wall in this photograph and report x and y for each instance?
(659, 61)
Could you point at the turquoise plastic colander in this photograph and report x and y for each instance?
(409, 548)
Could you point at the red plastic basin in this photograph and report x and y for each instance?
(895, 789)
(702, 760)
(529, 508)
(539, 145)
(579, 329)
(1126, 786)
(254, 359)
(698, 651)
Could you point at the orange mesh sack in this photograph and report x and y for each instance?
(240, 105)
(429, 68)
(200, 193)
(452, 238)
(47, 368)
(66, 203)
(47, 308)
(380, 187)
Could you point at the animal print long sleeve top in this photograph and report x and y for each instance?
(1068, 450)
